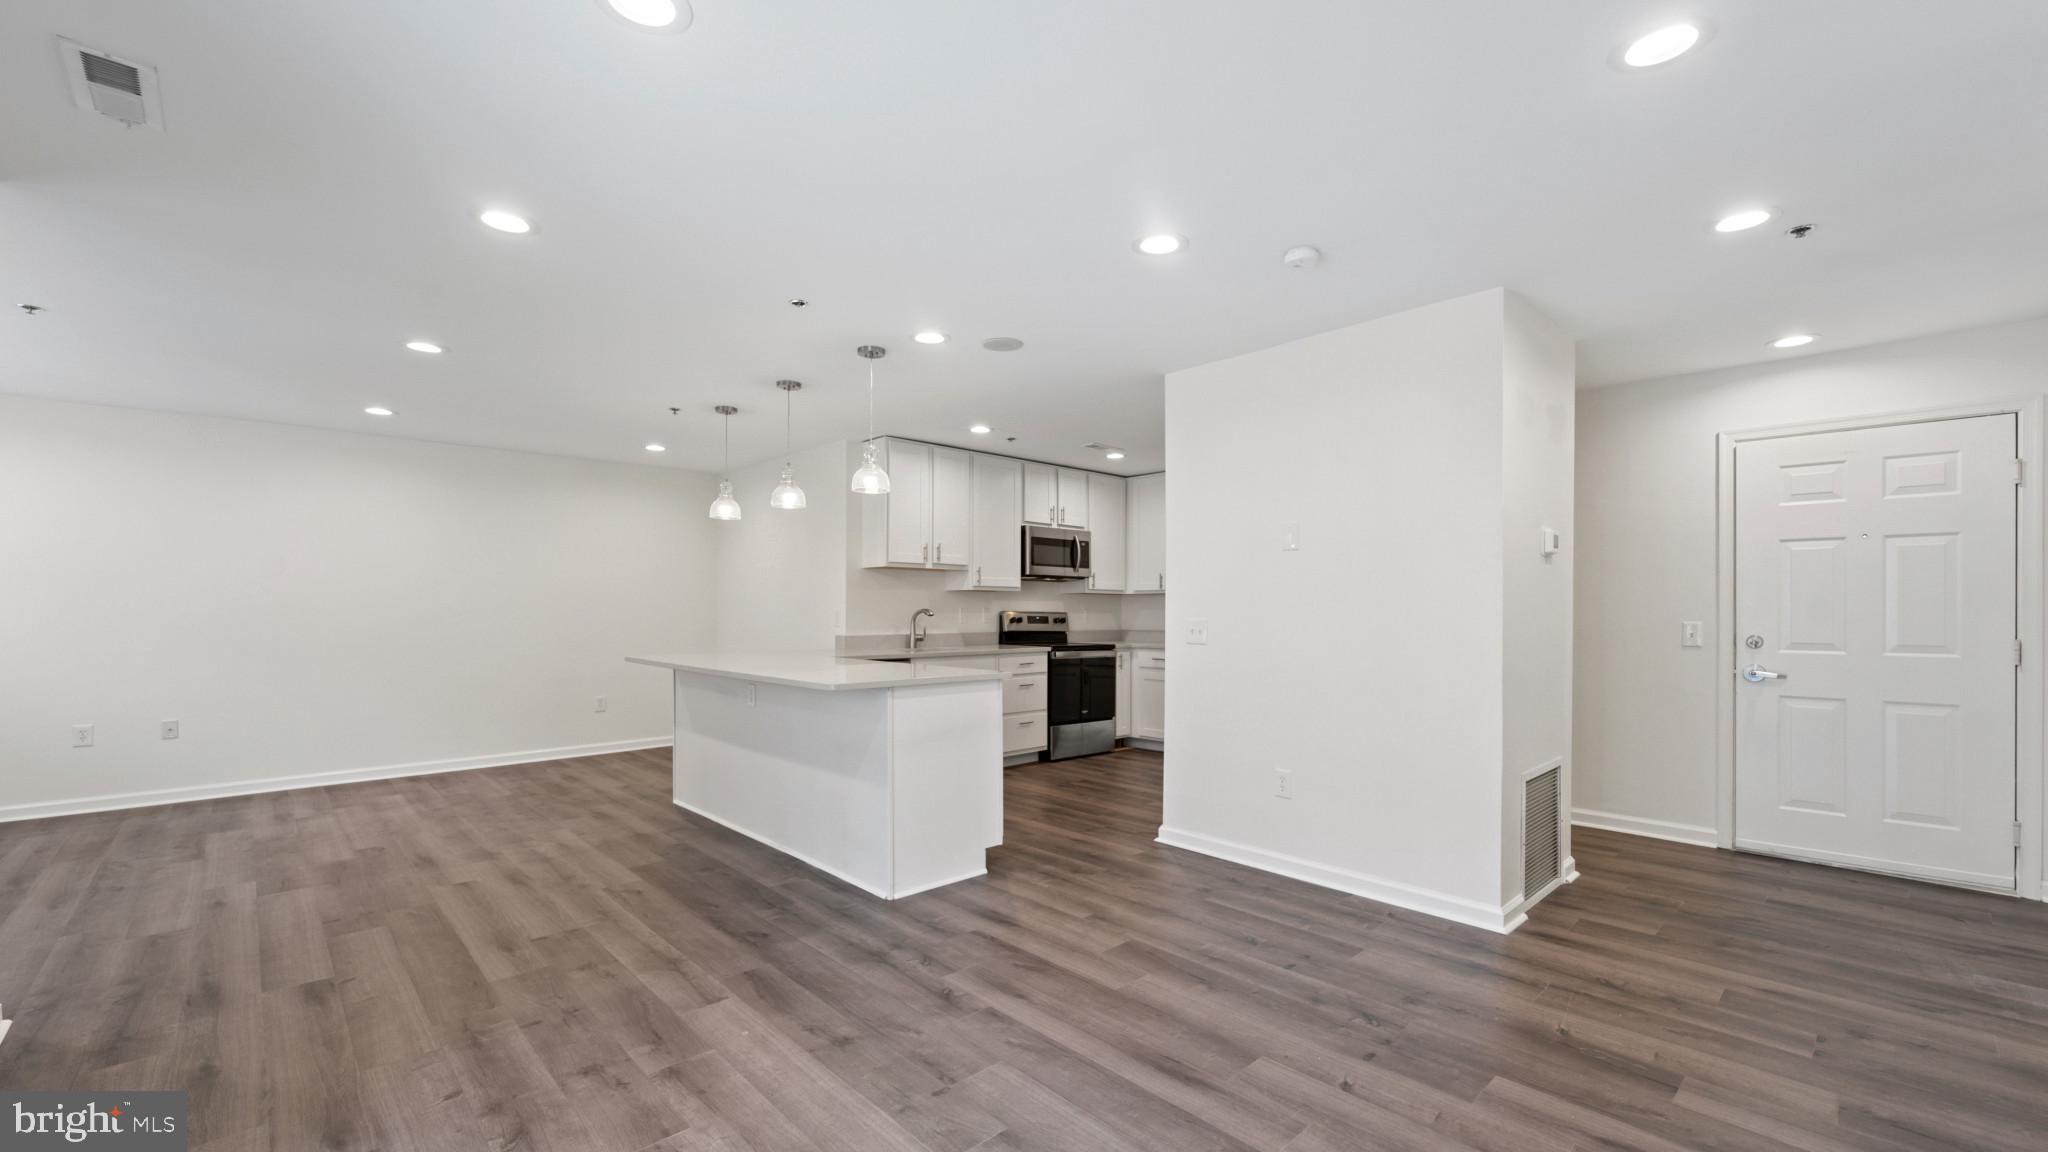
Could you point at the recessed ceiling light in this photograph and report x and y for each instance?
(427, 346)
(378, 411)
(1662, 45)
(1113, 455)
(657, 447)
(651, 13)
(1796, 340)
(505, 221)
(1741, 221)
(1002, 343)
(1162, 244)
(930, 337)
(979, 429)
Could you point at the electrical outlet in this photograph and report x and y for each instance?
(603, 704)
(1198, 631)
(167, 730)
(81, 735)
(751, 691)
(1290, 537)
(1690, 636)
(1284, 786)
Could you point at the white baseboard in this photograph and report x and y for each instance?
(1147, 745)
(158, 796)
(1639, 826)
(1400, 895)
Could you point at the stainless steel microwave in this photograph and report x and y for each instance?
(1055, 553)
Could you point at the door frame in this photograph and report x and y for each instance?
(2029, 804)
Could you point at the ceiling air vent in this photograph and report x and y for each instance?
(119, 89)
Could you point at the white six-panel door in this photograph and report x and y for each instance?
(1875, 576)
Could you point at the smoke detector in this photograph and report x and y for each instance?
(1302, 256)
(116, 88)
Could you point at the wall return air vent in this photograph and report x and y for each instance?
(1541, 824)
(114, 87)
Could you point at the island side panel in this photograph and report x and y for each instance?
(948, 745)
(803, 771)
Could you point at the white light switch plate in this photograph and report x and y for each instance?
(1690, 635)
(1290, 537)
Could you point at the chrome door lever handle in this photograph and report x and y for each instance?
(1757, 674)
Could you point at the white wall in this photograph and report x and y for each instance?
(1383, 441)
(309, 601)
(782, 574)
(1646, 558)
(1538, 391)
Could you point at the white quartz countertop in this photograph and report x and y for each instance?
(943, 650)
(820, 671)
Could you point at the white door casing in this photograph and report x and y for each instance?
(1877, 568)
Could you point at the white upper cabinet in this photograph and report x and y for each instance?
(996, 546)
(952, 507)
(1072, 490)
(1146, 529)
(1108, 544)
(1041, 494)
(924, 512)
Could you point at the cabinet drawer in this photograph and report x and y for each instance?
(978, 663)
(1024, 694)
(1150, 658)
(1035, 662)
(1024, 732)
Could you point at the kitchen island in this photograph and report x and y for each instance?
(886, 775)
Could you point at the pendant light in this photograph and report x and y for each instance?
(869, 479)
(725, 507)
(787, 495)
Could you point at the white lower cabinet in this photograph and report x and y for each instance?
(1123, 695)
(1024, 732)
(1148, 695)
(1024, 688)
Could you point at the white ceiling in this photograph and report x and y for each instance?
(981, 168)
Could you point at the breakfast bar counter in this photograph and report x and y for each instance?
(888, 776)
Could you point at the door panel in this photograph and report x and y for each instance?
(952, 507)
(1875, 570)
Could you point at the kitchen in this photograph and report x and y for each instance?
(1051, 580)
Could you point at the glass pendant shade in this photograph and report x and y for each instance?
(869, 479)
(725, 507)
(787, 495)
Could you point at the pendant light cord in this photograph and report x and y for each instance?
(788, 407)
(871, 402)
(728, 447)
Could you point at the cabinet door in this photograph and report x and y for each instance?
(1123, 695)
(1107, 544)
(1072, 489)
(952, 507)
(1148, 691)
(1146, 531)
(1041, 494)
(996, 558)
(910, 502)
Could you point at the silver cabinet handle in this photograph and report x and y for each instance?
(924, 554)
(942, 551)
(977, 573)
(1757, 674)
(1026, 723)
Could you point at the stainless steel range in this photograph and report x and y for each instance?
(1080, 686)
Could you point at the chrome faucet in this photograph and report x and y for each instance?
(915, 634)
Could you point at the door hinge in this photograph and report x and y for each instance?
(2019, 471)
(2015, 833)
(2017, 652)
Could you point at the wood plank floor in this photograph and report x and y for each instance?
(553, 957)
